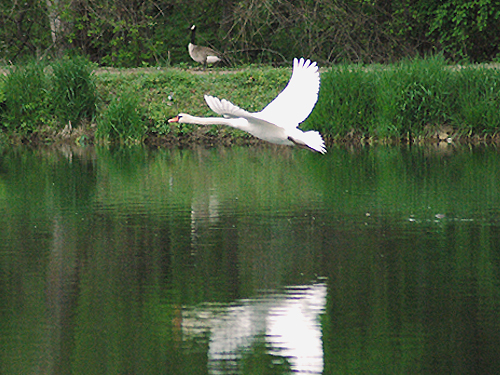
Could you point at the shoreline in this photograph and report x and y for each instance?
(85, 136)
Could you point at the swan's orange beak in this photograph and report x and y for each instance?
(174, 119)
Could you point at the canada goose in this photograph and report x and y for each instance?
(203, 55)
(278, 121)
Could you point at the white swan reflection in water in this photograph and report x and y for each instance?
(289, 322)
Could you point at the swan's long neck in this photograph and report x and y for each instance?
(235, 123)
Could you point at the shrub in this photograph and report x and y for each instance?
(406, 100)
(73, 92)
(122, 121)
(413, 97)
(346, 101)
(477, 100)
(25, 98)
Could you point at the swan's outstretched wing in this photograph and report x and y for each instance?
(254, 125)
(294, 104)
(225, 108)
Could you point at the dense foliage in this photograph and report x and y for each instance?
(130, 33)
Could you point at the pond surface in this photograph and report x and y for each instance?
(380, 260)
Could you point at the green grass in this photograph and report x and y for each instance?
(73, 90)
(37, 97)
(165, 93)
(346, 101)
(413, 98)
(403, 101)
(477, 101)
(122, 121)
(26, 103)
(410, 100)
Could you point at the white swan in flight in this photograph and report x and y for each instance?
(278, 122)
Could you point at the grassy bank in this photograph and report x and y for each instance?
(412, 101)
(416, 100)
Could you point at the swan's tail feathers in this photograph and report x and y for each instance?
(315, 141)
(311, 140)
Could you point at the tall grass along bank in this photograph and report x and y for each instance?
(73, 90)
(41, 101)
(414, 100)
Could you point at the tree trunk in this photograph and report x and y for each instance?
(58, 27)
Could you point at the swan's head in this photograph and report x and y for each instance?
(181, 118)
(193, 27)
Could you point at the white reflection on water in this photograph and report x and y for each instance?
(289, 322)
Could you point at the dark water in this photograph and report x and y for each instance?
(250, 261)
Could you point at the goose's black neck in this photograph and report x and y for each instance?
(193, 32)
